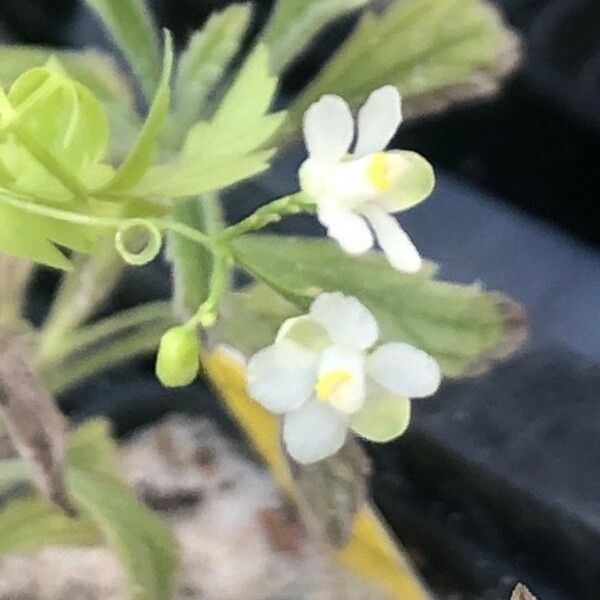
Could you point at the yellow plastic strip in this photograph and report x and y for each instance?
(371, 552)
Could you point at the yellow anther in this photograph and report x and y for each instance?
(329, 383)
(379, 172)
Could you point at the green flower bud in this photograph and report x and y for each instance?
(178, 359)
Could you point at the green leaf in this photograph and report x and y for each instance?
(32, 523)
(56, 133)
(205, 60)
(434, 51)
(252, 316)
(131, 25)
(140, 157)
(62, 114)
(41, 236)
(462, 326)
(144, 545)
(294, 24)
(192, 263)
(94, 69)
(231, 146)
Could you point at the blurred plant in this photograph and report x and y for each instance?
(87, 186)
(522, 593)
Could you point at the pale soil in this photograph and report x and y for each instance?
(239, 539)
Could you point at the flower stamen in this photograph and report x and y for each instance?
(379, 172)
(329, 383)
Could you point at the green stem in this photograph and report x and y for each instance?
(98, 221)
(81, 292)
(219, 283)
(268, 214)
(105, 357)
(93, 335)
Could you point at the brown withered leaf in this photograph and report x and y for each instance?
(514, 316)
(14, 277)
(333, 490)
(522, 593)
(34, 423)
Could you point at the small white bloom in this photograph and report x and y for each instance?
(322, 375)
(353, 191)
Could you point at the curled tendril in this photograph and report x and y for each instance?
(138, 241)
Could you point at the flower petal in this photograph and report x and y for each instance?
(415, 184)
(346, 227)
(378, 120)
(328, 129)
(395, 243)
(306, 331)
(405, 370)
(384, 416)
(282, 376)
(349, 323)
(314, 431)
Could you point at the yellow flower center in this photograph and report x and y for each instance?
(329, 383)
(379, 172)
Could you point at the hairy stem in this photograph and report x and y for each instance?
(268, 214)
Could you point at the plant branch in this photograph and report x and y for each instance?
(219, 283)
(267, 214)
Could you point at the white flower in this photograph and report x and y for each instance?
(365, 187)
(321, 375)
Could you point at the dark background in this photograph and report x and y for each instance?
(497, 480)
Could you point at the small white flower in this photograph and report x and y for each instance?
(321, 375)
(366, 186)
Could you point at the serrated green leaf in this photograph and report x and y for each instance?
(229, 147)
(131, 25)
(460, 325)
(434, 51)
(32, 523)
(205, 60)
(140, 157)
(294, 24)
(144, 545)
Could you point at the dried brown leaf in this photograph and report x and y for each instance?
(333, 490)
(34, 423)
